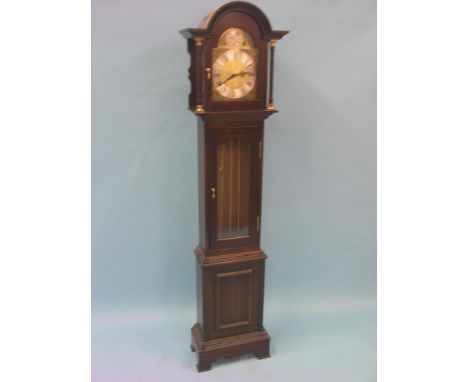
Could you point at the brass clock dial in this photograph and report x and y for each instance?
(234, 74)
(234, 66)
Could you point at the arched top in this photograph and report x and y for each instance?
(205, 26)
(242, 6)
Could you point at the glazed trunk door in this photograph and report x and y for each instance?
(234, 189)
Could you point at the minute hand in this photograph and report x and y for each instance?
(234, 75)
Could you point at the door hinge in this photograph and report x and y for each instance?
(260, 150)
(258, 223)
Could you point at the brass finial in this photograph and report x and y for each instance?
(271, 107)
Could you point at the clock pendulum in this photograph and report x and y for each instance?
(231, 75)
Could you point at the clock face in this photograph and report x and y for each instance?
(234, 73)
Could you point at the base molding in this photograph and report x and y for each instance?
(257, 342)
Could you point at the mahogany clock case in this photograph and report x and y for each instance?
(230, 264)
(318, 195)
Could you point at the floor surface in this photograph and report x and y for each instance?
(314, 345)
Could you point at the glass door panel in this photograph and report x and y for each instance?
(233, 178)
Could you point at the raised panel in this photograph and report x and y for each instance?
(234, 293)
(234, 299)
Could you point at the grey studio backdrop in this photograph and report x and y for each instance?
(319, 199)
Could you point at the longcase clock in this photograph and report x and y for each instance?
(231, 75)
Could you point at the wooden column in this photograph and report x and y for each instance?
(272, 65)
(199, 73)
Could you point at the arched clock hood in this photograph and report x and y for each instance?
(204, 28)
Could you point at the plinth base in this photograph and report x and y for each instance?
(257, 342)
